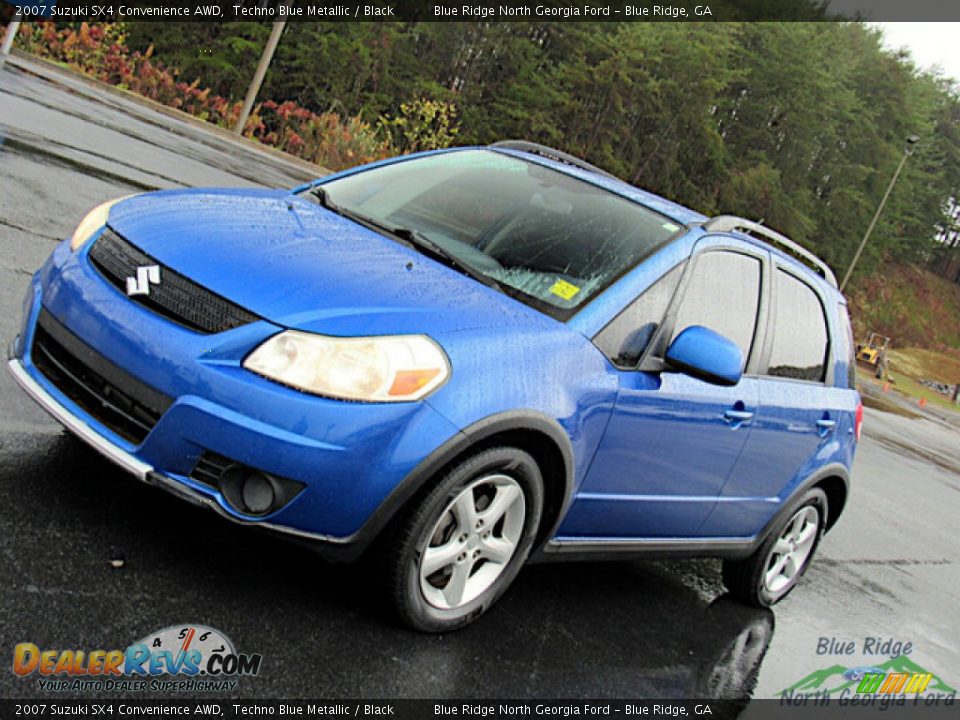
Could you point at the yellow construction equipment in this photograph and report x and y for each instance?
(873, 353)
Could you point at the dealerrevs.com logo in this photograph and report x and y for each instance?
(179, 658)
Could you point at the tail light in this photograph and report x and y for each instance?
(858, 421)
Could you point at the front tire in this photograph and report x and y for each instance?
(773, 571)
(458, 548)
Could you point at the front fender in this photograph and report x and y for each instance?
(461, 443)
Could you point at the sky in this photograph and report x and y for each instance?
(929, 43)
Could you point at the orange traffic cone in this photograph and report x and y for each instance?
(923, 402)
(886, 387)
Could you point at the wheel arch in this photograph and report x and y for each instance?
(529, 430)
(837, 488)
(833, 479)
(553, 469)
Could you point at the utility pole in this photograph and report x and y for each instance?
(8, 39)
(907, 152)
(261, 72)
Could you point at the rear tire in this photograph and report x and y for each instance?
(460, 545)
(773, 571)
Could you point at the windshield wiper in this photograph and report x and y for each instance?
(421, 242)
(320, 194)
(322, 197)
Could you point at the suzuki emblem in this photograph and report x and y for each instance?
(147, 275)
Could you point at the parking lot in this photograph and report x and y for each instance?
(89, 558)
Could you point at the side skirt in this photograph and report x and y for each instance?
(618, 549)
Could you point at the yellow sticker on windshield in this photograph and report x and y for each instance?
(564, 289)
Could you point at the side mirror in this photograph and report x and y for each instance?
(706, 355)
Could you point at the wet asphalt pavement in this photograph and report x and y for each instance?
(594, 630)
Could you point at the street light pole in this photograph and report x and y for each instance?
(907, 152)
(8, 39)
(261, 72)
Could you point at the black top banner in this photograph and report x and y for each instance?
(485, 10)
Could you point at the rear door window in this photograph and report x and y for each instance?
(800, 338)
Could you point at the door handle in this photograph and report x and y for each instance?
(825, 426)
(738, 416)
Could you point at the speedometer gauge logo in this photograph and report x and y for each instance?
(181, 638)
(188, 650)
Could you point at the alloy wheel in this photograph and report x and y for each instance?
(792, 550)
(472, 542)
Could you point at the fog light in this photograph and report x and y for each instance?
(245, 489)
(257, 494)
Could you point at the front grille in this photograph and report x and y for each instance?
(175, 297)
(111, 395)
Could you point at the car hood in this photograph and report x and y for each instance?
(300, 265)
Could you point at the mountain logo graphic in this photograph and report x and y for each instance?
(837, 678)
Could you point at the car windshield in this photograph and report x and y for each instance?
(547, 238)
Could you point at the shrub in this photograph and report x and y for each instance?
(327, 139)
(422, 124)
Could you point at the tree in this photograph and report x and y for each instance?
(800, 124)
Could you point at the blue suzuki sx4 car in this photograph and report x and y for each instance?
(453, 362)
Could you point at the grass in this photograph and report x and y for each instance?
(910, 387)
(907, 366)
(922, 363)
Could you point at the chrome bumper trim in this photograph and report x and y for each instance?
(79, 428)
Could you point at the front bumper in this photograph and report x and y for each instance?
(350, 457)
(139, 469)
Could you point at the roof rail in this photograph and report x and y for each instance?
(551, 154)
(726, 223)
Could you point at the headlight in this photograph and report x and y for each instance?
(94, 220)
(392, 368)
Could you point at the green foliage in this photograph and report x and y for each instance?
(422, 124)
(222, 56)
(801, 124)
